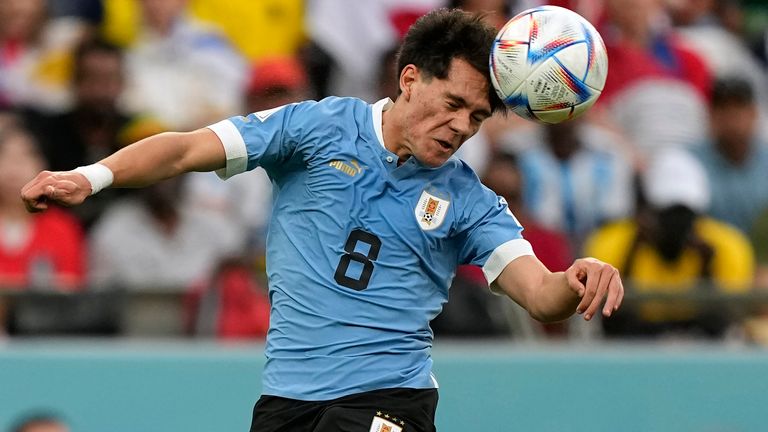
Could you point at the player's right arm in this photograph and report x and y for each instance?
(584, 287)
(143, 163)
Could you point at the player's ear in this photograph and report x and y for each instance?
(408, 76)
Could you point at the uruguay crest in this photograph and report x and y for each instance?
(430, 211)
(386, 423)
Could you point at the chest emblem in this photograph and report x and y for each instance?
(430, 211)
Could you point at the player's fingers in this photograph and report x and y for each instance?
(620, 298)
(65, 192)
(603, 276)
(574, 279)
(36, 205)
(34, 201)
(593, 278)
(614, 291)
(33, 194)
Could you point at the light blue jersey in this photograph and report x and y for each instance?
(360, 251)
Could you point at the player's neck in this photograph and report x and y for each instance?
(391, 131)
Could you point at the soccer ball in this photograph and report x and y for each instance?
(548, 64)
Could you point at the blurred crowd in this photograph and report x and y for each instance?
(666, 177)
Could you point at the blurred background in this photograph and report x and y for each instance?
(146, 310)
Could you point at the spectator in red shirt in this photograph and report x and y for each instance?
(640, 46)
(657, 88)
(44, 250)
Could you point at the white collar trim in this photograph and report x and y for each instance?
(378, 108)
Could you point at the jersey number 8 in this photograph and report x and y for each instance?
(366, 260)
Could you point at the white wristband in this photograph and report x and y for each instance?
(98, 175)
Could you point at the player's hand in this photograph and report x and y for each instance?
(596, 283)
(67, 188)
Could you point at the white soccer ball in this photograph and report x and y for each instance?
(548, 64)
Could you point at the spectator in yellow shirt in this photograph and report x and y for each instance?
(670, 248)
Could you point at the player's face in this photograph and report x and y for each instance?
(444, 113)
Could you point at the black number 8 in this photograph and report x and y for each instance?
(366, 260)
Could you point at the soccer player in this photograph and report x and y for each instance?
(371, 217)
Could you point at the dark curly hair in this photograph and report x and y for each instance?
(444, 34)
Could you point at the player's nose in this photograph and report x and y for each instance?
(461, 125)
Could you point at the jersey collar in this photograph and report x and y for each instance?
(378, 108)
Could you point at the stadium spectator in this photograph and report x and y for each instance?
(231, 305)
(276, 81)
(91, 11)
(154, 241)
(657, 88)
(95, 126)
(181, 71)
(34, 55)
(574, 179)
(496, 12)
(670, 247)
(45, 251)
(472, 310)
(371, 217)
(258, 30)
(370, 28)
(726, 53)
(386, 75)
(91, 129)
(641, 46)
(736, 158)
(759, 236)
(41, 422)
(505, 177)
(269, 28)
(756, 325)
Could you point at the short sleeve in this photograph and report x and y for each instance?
(268, 138)
(492, 235)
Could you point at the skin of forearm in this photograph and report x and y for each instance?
(154, 159)
(553, 300)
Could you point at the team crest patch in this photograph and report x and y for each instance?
(431, 211)
(386, 423)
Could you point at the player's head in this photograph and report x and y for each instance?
(444, 82)
(441, 36)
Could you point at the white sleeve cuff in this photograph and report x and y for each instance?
(234, 148)
(503, 255)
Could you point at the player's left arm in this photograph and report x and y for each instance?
(586, 286)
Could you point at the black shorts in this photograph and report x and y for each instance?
(387, 410)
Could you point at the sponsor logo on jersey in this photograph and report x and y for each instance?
(386, 423)
(503, 203)
(431, 210)
(264, 115)
(351, 168)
